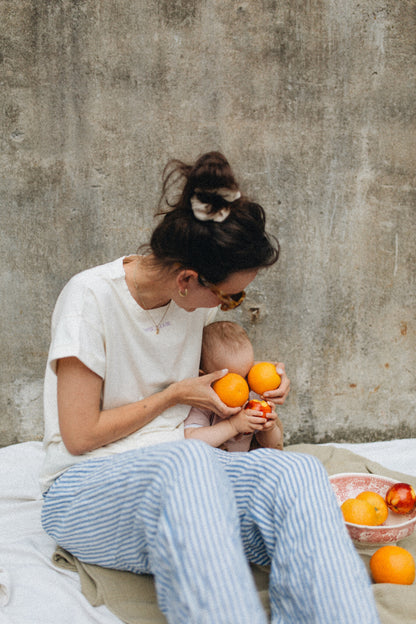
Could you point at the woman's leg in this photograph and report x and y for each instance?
(168, 510)
(290, 518)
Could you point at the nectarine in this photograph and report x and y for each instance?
(401, 498)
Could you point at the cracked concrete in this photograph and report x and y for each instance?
(313, 103)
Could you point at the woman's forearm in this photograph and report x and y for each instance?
(84, 426)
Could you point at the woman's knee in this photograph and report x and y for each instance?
(190, 451)
(299, 468)
(191, 471)
(190, 457)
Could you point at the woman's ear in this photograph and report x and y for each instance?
(185, 279)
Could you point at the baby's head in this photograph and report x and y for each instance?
(226, 345)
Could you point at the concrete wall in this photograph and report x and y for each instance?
(314, 105)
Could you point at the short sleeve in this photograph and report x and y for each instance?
(77, 328)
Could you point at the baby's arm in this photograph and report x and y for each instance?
(246, 421)
(198, 427)
(271, 435)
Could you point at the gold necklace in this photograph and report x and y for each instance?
(156, 325)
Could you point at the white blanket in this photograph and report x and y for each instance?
(32, 589)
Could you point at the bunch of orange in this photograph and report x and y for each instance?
(393, 564)
(389, 564)
(233, 389)
(367, 508)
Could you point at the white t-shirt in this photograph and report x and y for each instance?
(97, 320)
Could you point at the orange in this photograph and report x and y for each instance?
(232, 389)
(263, 377)
(392, 564)
(359, 512)
(379, 504)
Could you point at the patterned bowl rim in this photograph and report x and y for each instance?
(376, 529)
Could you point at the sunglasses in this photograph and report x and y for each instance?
(228, 302)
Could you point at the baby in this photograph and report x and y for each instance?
(227, 345)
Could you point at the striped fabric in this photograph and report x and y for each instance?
(193, 515)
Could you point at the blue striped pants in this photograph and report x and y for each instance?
(194, 516)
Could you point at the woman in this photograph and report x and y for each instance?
(123, 489)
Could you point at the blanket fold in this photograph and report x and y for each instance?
(4, 587)
(132, 597)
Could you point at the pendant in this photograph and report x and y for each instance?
(157, 330)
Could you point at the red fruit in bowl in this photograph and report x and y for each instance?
(401, 498)
(260, 406)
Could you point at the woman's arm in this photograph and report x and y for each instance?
(85, 427)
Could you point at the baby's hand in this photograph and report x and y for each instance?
(271, 422)
(248, 421)
(272, 433)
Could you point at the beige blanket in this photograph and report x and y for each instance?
(133, 599)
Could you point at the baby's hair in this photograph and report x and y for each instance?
(213, 249)
(225, 333)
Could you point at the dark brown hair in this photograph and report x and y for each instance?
(213, 249)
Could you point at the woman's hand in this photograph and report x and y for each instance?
(198, 392)
(278, 396)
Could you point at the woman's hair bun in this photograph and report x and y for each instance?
(207, 225)
(210, 180)
(212, 171)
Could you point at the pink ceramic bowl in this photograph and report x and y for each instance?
(396, 527)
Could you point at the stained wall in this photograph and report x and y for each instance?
(314, 105)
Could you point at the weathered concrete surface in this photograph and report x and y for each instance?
(314, 105)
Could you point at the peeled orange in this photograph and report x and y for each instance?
(232, 389)
(263, 377)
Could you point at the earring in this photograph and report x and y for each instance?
(183, 294)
